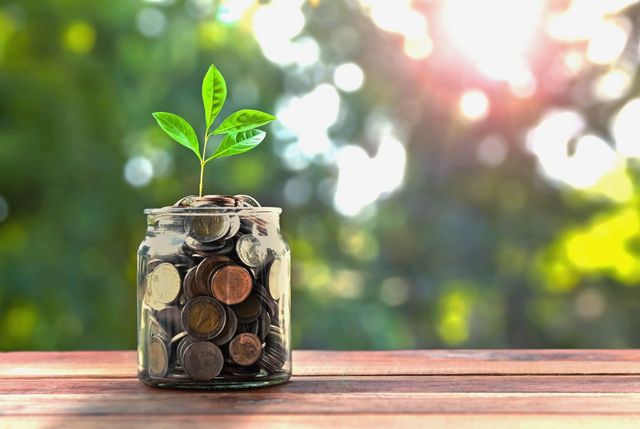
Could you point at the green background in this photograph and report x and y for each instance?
(461, 255)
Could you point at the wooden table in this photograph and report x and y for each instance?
(374, 389)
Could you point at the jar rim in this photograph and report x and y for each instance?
(187, 211)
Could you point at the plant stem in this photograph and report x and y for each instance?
(202, 161)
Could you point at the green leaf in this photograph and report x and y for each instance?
(243, 120)
(214, 94)
(234, 144)
(179, 130)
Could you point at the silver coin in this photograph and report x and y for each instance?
(163, 286)
(278, 278)
(158, 357)
(246, 201)
(229, 330)
(234, 225)
(251, 251)
(202, 360)
(182, 346)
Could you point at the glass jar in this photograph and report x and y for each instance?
(213, 298)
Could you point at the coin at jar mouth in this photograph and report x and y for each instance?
(251, 251)
(231, 284)
(203, 317)
(207, 228)
(216, 200)
(245, 349)
(229, 328)
(249, 309)
(186, 201)
(163, 286)
(158, 357)
(202, 360)
(278, 278)
(246, 201)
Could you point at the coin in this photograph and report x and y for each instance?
(231, 284)
(203, 317)
(207, 228)
(278, 278)
(264, 323)
(189, 284)
(203, 271)
(163, 285)
(158, 357)
(229, 328)
(170, 319)
(251, 251)
(234, 225)
(249, 309)
(184, 343)
(185, 201)
(245, 349)
(202, 360)
(246, 201)
(251, 327)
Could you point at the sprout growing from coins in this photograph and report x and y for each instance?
(239, 128)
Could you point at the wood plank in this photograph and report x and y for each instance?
(302, 385)
(112, 364)
(281, 403)
(316, 421)
(333, 397)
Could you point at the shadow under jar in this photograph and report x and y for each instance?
(213, 298)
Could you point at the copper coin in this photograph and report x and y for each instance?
(231, 284)
(245, 349)
(249, 309)
(202, 360)
(203, 271)
(203, 317)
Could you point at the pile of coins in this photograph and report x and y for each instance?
(213, 309)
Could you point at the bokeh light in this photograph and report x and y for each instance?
(348, 77)
(474, 105)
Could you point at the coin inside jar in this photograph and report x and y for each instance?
(229, 328)
(251, 251)
(245, 349)
(278, 278)
(158, 357)
(203, 317)
(231, 284)
(163, 285)
(208, 228)
(202, 360)
(249, 309)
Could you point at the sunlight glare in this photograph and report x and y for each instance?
(625, 128)
(474, 105)
(494, 33)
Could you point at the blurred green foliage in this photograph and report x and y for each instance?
(461, 255)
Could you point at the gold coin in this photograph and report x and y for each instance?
(203, 317)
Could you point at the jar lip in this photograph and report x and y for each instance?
(186, 211)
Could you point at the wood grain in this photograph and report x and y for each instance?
(489, 389)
